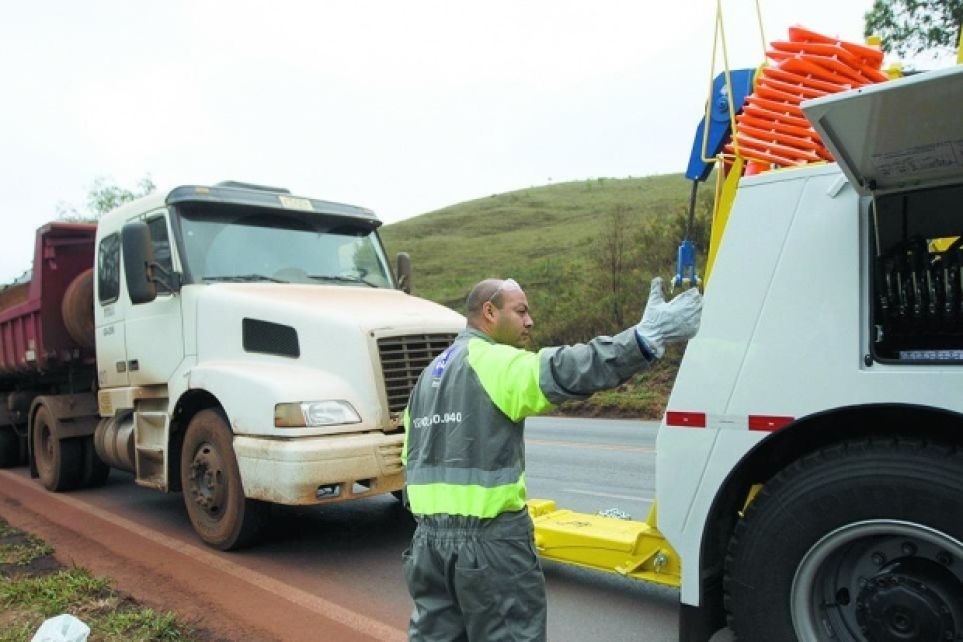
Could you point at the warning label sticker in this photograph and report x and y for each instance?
(933, 159)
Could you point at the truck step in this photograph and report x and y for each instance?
(151, 429)
(155, 453)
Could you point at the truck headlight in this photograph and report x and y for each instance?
(310, 414)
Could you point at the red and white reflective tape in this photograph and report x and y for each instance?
(685, 419)
(764, 423)
(769, 423)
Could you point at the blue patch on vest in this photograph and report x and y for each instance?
(441, 362)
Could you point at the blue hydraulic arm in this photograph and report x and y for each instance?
(701, 159)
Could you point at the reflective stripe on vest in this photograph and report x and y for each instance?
(459, 499)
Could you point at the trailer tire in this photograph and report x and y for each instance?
(59, 461)
(95, 470)
(859, 541)
(9, 447)
(220, 513)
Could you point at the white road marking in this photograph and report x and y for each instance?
(578, 444)
(594, 493)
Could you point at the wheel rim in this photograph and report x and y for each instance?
(208, 482)
(880, 580)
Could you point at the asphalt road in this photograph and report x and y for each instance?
(590, 465)
(344, 559)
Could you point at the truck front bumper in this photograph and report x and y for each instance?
(318, 470)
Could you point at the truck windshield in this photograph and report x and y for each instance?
(247, 244)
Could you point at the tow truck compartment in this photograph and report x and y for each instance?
(901, 146)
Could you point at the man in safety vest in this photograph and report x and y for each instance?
(472, 568)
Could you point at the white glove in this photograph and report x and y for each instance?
(669, 322)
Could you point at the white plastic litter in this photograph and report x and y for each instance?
(62, 628)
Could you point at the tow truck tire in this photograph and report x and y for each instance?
(859, 541)
(59, 461)
(220, 513)
(9, 447)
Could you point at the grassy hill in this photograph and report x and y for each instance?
(559, 242)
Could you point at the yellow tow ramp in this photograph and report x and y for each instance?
(625, 547)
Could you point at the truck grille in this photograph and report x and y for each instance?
(403, 359)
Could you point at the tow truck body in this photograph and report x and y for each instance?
(811, 448)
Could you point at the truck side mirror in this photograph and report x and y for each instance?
(404, 272)
(138, 257)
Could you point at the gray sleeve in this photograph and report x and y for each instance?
(575, 372)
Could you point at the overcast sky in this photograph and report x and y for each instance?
(403, 106)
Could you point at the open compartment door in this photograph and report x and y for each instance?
(897, 135)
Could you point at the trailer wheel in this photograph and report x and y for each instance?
(211, 484)
(59, 461)
(9, 447)
(860, 541)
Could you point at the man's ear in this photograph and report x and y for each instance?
(488, 311)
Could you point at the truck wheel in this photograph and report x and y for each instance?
(59, 461)
(211, 483)
(859, 541)
(9, 447)
(95, 470)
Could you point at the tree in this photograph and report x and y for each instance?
(103, 196)
(611, 258)
(910, 27)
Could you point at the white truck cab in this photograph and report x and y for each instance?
(253, 347)
(810, 463)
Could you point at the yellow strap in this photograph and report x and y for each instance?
(762, 33)
(720, 216)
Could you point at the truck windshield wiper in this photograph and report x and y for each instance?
(243, 277)
(341, 279)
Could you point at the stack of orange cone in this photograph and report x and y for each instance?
(771, 131)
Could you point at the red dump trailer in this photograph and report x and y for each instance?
(47, 329)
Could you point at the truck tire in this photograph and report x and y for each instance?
(9, 447)
(59, 461)
(402, 497)
(859, 541)
(220, 513)
(95, 470)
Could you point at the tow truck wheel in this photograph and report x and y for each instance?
(860, 541)
(216, 505)
(59, 461)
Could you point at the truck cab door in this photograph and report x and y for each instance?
(154, 330)
(108, 315)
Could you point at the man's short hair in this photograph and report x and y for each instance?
(480, 294)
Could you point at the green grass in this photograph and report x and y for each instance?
(54, 593)
(31, 595)
(22, 553)
(550, 239)
(510, 234)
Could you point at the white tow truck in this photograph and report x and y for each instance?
(810, 462)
